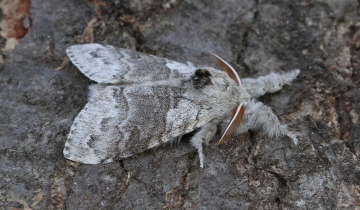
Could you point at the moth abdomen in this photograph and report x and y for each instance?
(201, 78)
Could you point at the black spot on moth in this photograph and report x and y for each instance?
(201, 78)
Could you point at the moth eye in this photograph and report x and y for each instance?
(201, 78)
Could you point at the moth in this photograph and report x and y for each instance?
(142, 101)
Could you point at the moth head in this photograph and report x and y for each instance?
(239, 111)
(201, 78)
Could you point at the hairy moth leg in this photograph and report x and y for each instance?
(204, 135)
(268, 84)
(258, 116)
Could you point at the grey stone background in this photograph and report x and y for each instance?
(250, 171)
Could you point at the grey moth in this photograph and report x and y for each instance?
(142, 101)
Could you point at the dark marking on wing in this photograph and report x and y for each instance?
(94, 54)
(93, 140)
(104, 127)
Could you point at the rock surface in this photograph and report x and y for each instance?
(250, 171)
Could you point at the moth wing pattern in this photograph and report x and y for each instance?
(122, 121)
(106, 64)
